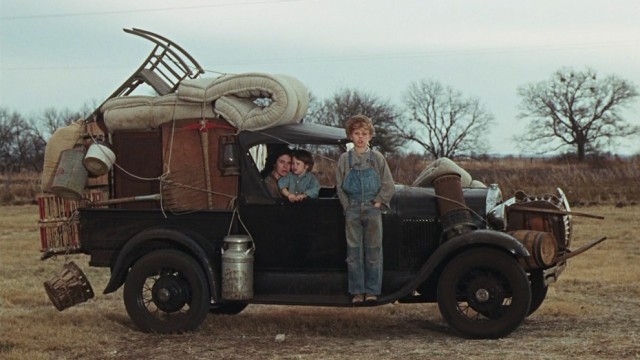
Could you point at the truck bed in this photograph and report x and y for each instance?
(104, 232)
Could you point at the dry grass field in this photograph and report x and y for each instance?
(593, 312)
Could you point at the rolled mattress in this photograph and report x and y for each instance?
(439, 167)
(235, 96)
(232, 97)
(149, 112)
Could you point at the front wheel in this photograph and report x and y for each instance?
(484, 293)
(166, 291)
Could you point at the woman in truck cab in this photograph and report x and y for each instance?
(278, 166)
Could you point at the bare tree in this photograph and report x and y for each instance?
(443, 122)
(577, 109)
(348, 102)
(21, 147)
(6, 133)
(53, 119)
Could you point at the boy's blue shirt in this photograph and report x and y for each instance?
(306, 183)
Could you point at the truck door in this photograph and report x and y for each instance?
(307, 235)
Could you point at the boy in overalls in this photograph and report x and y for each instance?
(364, 185)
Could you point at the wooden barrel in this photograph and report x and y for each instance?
(542, 247)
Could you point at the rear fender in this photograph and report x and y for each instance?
(158, 238)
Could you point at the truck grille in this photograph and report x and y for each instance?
(420, 237)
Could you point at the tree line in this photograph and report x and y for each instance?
(578, 111)
(23, 140)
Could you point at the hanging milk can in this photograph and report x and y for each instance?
(237, 268)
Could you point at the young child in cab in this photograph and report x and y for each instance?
(300, 183)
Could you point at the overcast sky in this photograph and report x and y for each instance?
(68, 53)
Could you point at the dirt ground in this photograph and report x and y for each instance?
(592, 312)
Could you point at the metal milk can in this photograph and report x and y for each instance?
(237, 268)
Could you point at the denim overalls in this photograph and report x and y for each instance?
(363, 229)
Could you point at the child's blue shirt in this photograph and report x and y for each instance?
(306, 184)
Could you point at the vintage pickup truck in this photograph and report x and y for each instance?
(206, 237)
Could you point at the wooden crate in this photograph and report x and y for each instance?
(58, 222)
(59, 236)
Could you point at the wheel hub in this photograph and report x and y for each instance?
(163, 295)
(486, 295)
(482, 295)
(170, 293)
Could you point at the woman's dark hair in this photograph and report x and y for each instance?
(274, 151)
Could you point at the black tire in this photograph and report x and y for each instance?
(484, 293)
(538, 290)
(166, 292)
(227, 308)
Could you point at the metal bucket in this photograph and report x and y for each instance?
(71, 175)
(69, 287)
(99, 159)
(237, 268)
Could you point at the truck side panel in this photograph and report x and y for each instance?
(104, 232)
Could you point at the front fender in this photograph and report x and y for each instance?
(481, 237)
(162, 237)
(453, 246)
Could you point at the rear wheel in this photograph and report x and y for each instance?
(166, 291)
(484, 293)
